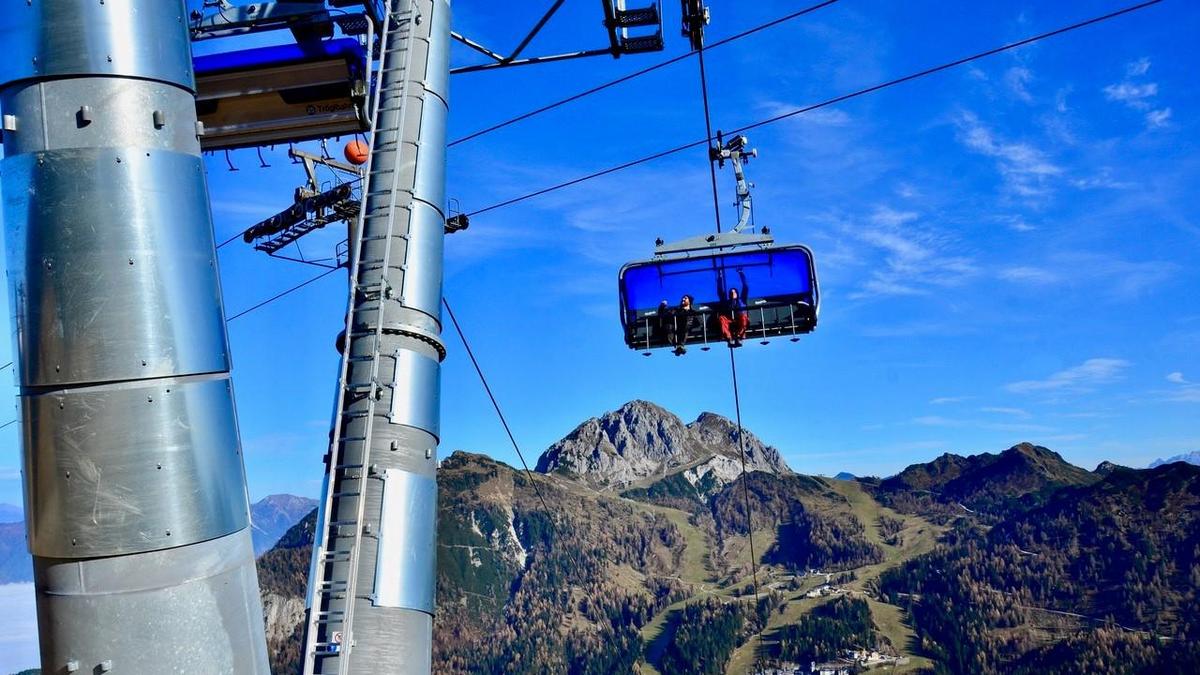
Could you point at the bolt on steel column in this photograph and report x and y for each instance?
(135, 491)
(393, 616)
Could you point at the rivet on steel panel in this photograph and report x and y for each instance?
(84, 116)
(160, 119)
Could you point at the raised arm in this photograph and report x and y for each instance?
(745, 286)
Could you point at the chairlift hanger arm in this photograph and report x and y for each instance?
(530, 61)
(536, 29)
(617, 21)
(738, 154)
(495, 56)
(329, 162)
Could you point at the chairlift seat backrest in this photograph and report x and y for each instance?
(281, 94)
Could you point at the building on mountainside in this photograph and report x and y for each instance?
(831, 668)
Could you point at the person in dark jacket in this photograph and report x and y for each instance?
(732, 316)
(682, 318)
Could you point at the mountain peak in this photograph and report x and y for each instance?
(1189, 457)
(272, 516)
(988, 480)
(642, 440)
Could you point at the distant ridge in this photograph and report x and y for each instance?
(988, 482)
(10, 513)
(1189, 457)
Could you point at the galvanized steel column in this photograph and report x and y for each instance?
(134, 484)
(393, 619)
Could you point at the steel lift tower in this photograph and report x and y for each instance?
(135, 492)
(371, 587)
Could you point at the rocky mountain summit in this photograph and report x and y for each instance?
(1189, 457)
(640, 442)
(274, 515)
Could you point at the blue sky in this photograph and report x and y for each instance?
(1007, 249)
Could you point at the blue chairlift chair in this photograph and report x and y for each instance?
(784, 298)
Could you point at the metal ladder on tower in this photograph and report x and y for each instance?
(329, 631)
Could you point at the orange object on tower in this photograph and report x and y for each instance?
(357, 152)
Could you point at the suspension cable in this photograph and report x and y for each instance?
(495, 404)
(737, 406)
(282, 294)
(638, 73)
(712, 168)
(828, 102)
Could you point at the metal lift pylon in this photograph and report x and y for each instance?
(371, 584)
(137, 512)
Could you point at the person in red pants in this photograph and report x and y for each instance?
(733, 317)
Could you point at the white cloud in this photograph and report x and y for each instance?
(915, 258)
(1002, 427)
(824, 117)
(1158, 118)
(1029, 275)
(1131, 94)
(1060, 99)
(1015, 412)
(1114, 277)
(1139, 95)
(942, 400)
(1139, 67)
(1100, 182)
(1186, 392)
(1026, 169)
(1018, 224)
(1016, 79)
(1081, 378)
(887, 216)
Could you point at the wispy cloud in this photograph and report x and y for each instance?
(1082, 378)
(825, 117)
(943, 400)
(1026, 169)
(1030, 275)
(1158, 118)
(1186, 391)
(1015, 412)
(1003, 427)
(1137, 68)
(1109, 275)
(1139, 95)
(916, 259)
(1017, 80)
(1133, 95)
(1189, 393)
